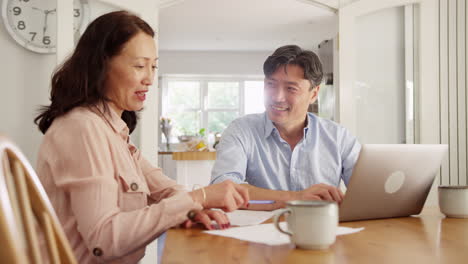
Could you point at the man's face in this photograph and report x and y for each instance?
(287, 96)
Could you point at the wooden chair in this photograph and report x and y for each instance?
(26, 214)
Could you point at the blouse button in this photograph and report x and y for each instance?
(97, 252)
(134, 186)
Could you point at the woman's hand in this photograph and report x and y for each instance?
(226, 195)
(204, 217)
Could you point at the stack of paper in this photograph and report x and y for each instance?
(249, 217)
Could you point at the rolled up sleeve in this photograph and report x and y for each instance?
(231, 157)
(349, 153)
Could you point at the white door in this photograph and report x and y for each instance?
(388, 76)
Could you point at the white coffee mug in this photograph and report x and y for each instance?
(311, 224)
(453, 201)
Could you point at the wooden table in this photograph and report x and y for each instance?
(427, 238)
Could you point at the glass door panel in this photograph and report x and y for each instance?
(379, 87)
(387, 79)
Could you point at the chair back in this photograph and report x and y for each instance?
(28, 222)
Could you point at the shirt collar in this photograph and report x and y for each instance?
(270, 127)
(113, 119)
(308, 126)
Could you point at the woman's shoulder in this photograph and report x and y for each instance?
(78, 119)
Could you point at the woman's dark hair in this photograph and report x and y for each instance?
(80, 80)
(294, 55)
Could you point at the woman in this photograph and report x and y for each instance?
(110, 200)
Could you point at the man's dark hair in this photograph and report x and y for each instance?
(294, 55)
(80, 80)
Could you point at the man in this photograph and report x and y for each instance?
(287, 153)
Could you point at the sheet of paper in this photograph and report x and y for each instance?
(248, 217)
(267, 233)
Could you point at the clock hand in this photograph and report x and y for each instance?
(47, 12)
(38, 9)
(50, 11)
(44, 29)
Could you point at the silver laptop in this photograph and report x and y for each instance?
(391, 181)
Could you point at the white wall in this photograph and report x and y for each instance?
(212, 62)
(25, 78)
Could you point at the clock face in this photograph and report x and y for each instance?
(33, 23)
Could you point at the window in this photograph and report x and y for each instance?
(208, 102)
(253, 91)
(222, 104)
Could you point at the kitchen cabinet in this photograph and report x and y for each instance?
(188, 168)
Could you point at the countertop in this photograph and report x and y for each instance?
(190, 155)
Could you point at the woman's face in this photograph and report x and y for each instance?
(130, 73)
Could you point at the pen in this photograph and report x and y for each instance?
(261, 202)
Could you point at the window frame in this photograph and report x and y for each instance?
(203, 98)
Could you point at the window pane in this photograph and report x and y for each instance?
(218, 121)
(183, 95)
(253, 97)
(223, 95)
(185, 123)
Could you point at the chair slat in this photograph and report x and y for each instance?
(50, 237)
(12, 193)
(27, 212)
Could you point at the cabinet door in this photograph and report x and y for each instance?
(193, 172)
(168, 165)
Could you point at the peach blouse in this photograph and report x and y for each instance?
(109, 199)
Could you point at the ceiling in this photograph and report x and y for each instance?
(243, 25)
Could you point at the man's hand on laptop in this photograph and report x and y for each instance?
(321, 192)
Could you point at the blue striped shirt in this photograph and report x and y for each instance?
(252, 150)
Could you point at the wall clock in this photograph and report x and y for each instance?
(33, 23)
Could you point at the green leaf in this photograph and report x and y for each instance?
(202, 132)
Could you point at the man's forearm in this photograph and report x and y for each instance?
(257, 193)
(279, 197)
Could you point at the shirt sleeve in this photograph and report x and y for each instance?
(231, 157)
(350, 149)
(83, 168)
